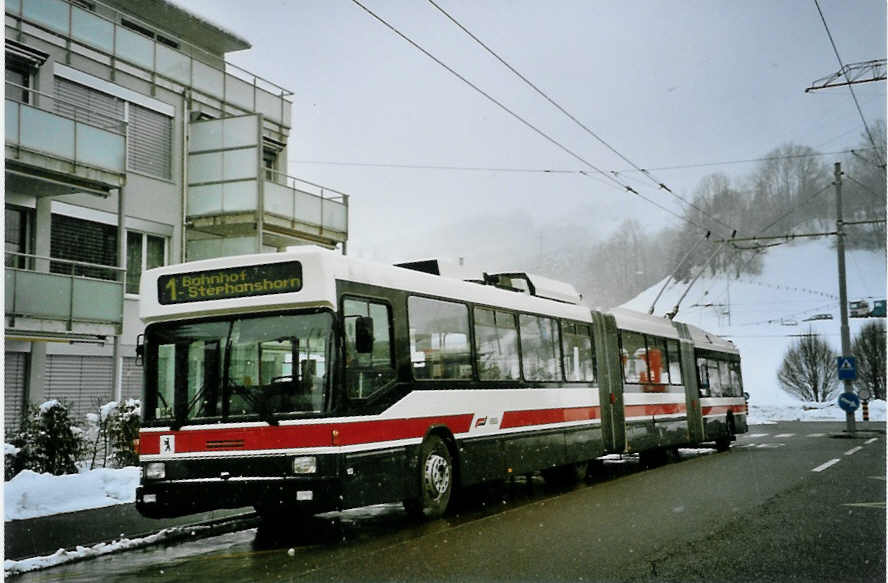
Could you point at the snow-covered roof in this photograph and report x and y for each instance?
(641, 322)
(175, 17)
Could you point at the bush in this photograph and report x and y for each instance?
(809, 369)
(112, 432)
(123, 427)
(48, 442)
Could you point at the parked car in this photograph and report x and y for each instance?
(878, 310)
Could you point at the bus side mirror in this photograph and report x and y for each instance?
(140, 350)
(746, 396)
(364, 335)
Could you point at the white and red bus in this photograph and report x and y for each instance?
(308, 381)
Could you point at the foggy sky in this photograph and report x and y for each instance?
(665, 83)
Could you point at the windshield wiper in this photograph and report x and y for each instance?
(257, 401)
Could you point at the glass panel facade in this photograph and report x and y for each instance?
(173, 64)
(99, 148)
(539, 348)
(239, 196)
(135, 48)
(50, 13)
(439, 339)
(238, 164)
(207, 79)
(12, 121)
(92, 29)
(496, 345)
(46, 132)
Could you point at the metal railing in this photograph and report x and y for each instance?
(305, 186)
(35, 288)
(66, 30)
(66, 108)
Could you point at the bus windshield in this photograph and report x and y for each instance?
(239, 367)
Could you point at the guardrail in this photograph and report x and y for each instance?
(46, 124)
(37, 287)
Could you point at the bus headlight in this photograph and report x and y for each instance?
(307, 464)
(155, 471)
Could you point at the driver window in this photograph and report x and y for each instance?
(367, 373)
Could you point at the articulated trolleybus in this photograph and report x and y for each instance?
(308, 381)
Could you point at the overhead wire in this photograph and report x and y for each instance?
(448, 167)
(541, 133)
(845, 73)
(495, 101)
(876, 197)
(574, 119)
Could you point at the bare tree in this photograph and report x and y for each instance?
(869, 350)
(809, 369)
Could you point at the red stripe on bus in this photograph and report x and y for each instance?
(719, 409)
(293, 436)
(654, 409)
(545, 416)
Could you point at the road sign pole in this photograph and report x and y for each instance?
(843, 292)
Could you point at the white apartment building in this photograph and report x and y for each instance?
(130, 143)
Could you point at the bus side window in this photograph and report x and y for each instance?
(367, 372)
(702, 377)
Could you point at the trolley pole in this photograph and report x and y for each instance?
(843, 292)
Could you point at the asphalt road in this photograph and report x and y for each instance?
(757, 513)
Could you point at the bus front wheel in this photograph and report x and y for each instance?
(435, 480)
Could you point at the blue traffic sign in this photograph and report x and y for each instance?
(847, 366)
(849, 402)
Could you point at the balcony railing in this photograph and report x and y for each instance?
(44, 124)
(305, 202)
(70, 299)
(230, 84)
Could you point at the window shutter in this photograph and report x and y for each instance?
(150, 142)
(90, 101)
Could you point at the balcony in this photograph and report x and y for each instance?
(213, 81)
(54, 147)
(42, 303)
(236, 206)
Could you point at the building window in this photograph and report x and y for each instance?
(18, 235)
(83, 241)
(149, 133)
(143, 251)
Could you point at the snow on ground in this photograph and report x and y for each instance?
(30, 494)
(766, 414)
(763, 314)
(62, 556)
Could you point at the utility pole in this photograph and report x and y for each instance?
(843, 292)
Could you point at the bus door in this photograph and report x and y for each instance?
(610, 383)
(692, 390)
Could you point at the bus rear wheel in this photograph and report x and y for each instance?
(435, 480)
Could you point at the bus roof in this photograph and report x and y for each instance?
(320, 268)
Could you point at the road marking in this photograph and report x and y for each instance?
(867, 504)
(779, 435)
(883, 478)
(770, 445)
(869, 441)
(854, 450)
(758, 435)
(816, 435)
(822, 467)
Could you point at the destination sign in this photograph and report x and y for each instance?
(232, 282)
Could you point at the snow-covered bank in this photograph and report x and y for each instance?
(764, 314)
(800, 411)
(29, 494)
